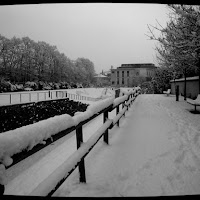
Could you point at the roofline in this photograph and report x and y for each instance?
(138, 65)
(187, 79)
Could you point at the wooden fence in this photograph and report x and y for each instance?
(49, 185)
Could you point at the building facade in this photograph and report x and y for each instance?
(130, 75)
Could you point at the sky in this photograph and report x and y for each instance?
(108, 34)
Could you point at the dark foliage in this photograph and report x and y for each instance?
(15, 116)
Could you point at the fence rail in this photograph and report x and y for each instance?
(48, 186)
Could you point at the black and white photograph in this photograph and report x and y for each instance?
(99, 99)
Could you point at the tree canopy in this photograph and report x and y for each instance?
(179, 42)
(22, 60)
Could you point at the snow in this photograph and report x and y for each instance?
(119, 100)
(154, 152)
(26, 137)
(64, 169)
(93, 109)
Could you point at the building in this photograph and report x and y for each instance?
(130, 75)
(102, 79)
(192, 86)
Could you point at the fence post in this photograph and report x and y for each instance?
(117, 111)
(20, 97)
(81, 166)
(10, 99)
(30, 97)
(105, 117)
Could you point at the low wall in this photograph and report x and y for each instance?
(192, 86)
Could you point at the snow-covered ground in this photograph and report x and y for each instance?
(155, 152)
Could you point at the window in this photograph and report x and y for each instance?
(137, 73)
(117, 81)
(127, 73)
(113, 72)
(122, 73)
(113, 82)
(117, 73)
(122, 81)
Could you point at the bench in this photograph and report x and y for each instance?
(167, 92)
(195, 102)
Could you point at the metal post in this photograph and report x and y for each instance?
(10, 99)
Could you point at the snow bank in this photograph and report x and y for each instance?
(26, 137)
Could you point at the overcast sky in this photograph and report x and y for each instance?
(105, 33)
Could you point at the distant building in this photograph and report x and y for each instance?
(102, 79)
(129, 75)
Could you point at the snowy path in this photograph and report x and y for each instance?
(155, 152)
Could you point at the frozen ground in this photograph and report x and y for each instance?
(154, 152)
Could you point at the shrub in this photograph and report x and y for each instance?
(15, 116)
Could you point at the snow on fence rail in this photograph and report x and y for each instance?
(28, 137)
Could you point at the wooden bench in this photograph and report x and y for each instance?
(195, 102)
(167, 92)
